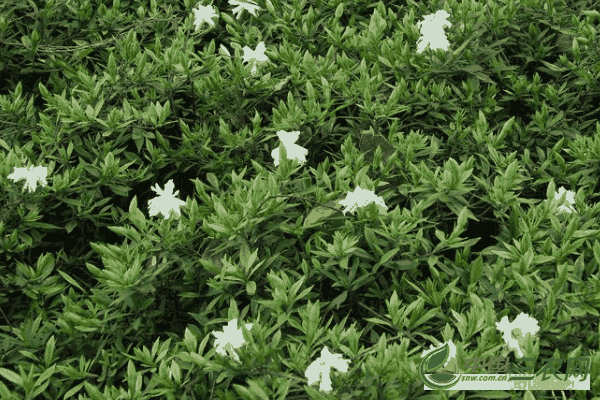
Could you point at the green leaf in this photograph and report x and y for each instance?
(369, 143)
(73, 391)
(70, 226)
(49, 352)
(70, 280)
(213, 180)
(45, 375)
(190, 341)
(339, 11)
(338, 301)
(378, 321)
(321, 212)
(258, 391)
(280, 85)
(44, 225)
(11, 376)
(387, 256)
(251, 288)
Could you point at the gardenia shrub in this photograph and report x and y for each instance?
(277, 200)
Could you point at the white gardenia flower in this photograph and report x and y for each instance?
(247, 5)
(522, 328)
(294, 152)
(32, 175)
(361, 197)
(568, 205)
(319, 370)
(255, 57)
(204, 14)
(432, 31)
(230, 339)
(166, 202)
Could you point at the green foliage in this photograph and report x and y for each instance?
(97, 297)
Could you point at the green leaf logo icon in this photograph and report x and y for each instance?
(431, 364)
